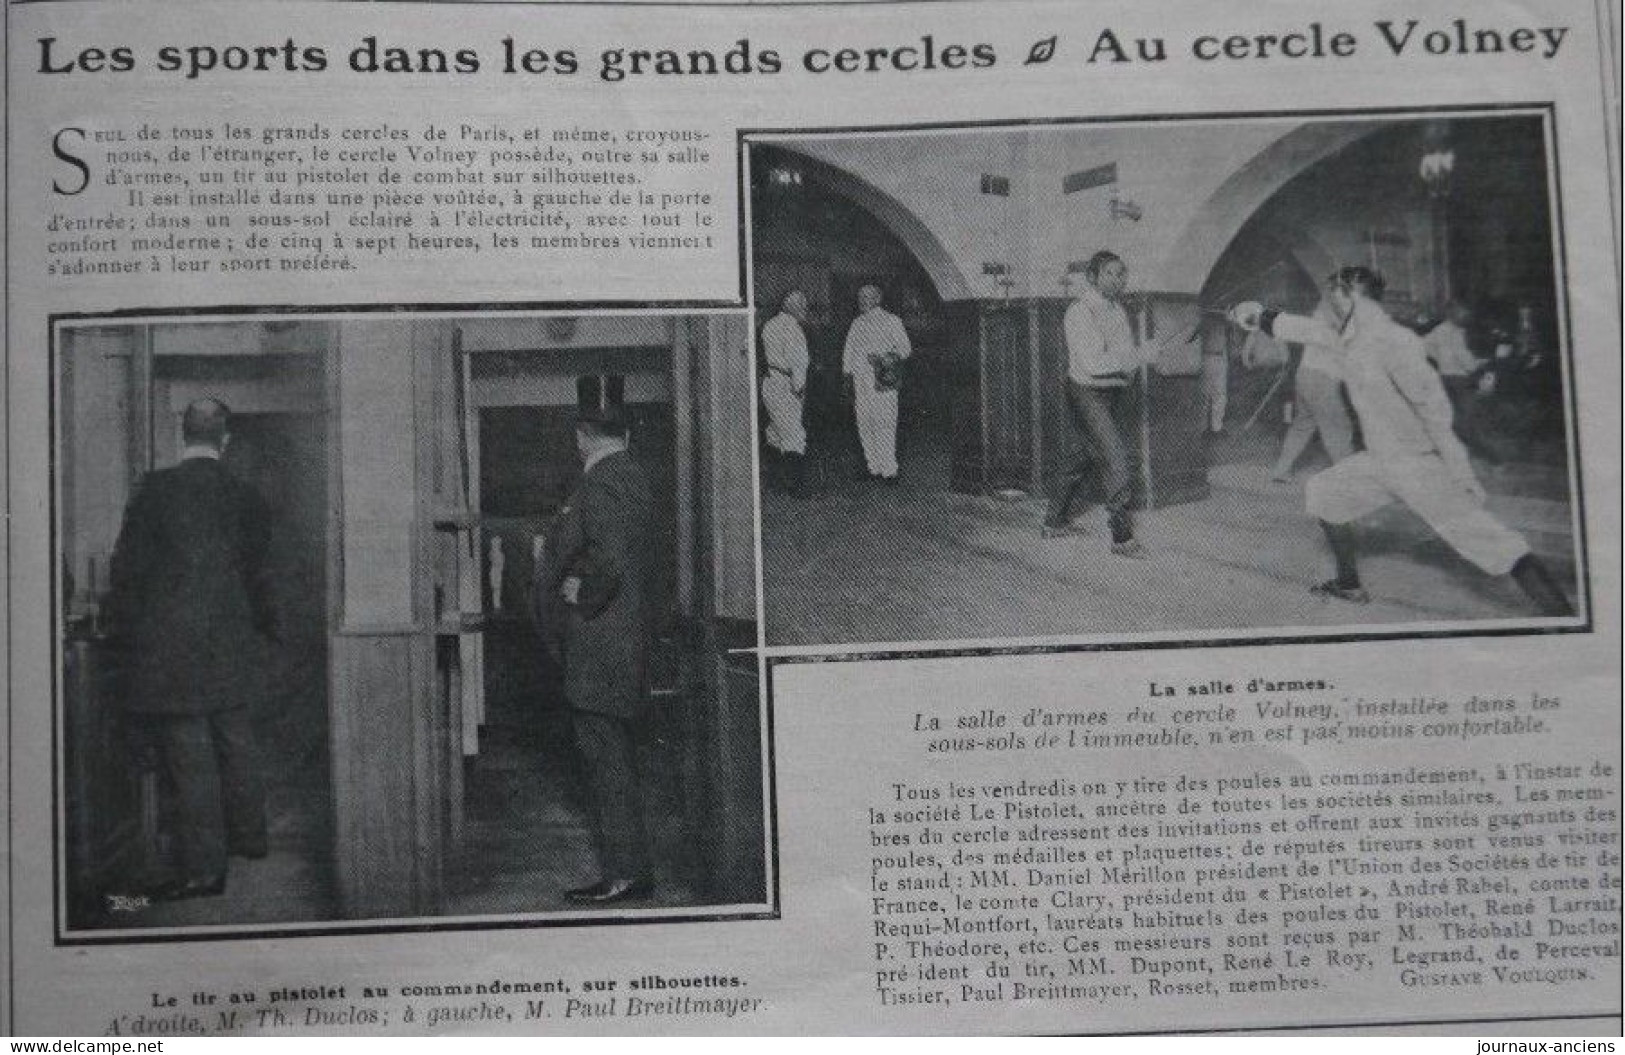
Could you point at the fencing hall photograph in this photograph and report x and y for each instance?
(1204, 379)
(437, 619)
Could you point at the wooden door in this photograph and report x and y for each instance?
(1007, 409)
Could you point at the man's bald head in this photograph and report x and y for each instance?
(206, 423)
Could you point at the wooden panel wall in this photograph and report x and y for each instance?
(396, 736)
(95, 447)
(384, 775)
(376, 465)
(732, 491)
(729, 718)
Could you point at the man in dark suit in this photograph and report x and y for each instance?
(191, 606)
(594, 589)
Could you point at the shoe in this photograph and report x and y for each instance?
(889, 481)
(1061, 530)
(186, 889)
(608, 891)
(1333, 588)
(1130, 548)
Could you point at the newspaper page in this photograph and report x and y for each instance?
(958, 517)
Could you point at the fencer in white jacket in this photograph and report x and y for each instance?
(1411, 452)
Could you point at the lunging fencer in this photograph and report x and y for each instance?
(1411, 453)
(1103, 367)
(784, 389)
(876, 346)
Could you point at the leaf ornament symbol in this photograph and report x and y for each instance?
(1042, 51)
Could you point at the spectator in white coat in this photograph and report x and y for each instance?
(876, 346)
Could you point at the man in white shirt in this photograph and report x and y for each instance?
(784, 388)
(1411, 453)
(876, 346)
(1103, 364)
(1446, 344)
(1446, 348)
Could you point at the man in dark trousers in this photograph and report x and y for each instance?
(191, 605)
(593, 586)
(1104, 367)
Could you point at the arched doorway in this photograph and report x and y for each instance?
(820, 230)
(1484, 239)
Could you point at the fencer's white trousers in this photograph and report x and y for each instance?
(1216, 389)
(877, 426)
(1363, 483)
(785, 431)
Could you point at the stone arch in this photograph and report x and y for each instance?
(1298, 248)
(1315, 259)
(1191, 256)
(933, 257)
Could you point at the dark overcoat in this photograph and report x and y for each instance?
(191, 602)
(603, 537)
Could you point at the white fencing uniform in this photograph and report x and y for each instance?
(1216, 385)
(1411, 453)
(1446, 347)
(784, 385)
(1317, 401)
(875, 335)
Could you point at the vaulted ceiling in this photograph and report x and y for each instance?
(1167, 196)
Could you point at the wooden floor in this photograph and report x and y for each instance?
(867, 563)
(525, 839)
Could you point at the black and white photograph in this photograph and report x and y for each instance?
(440, 620)
(710, 518)
(1239, 378)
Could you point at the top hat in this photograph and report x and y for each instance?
(601, 400)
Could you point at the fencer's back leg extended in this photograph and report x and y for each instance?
(1537, 581)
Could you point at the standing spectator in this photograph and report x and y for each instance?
(190, 603)
(784, 388)
(1104, 362)
(593, 588)
(876, 346)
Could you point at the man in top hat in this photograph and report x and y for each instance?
(191, 607)
(594, 587)
(1412, 454)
